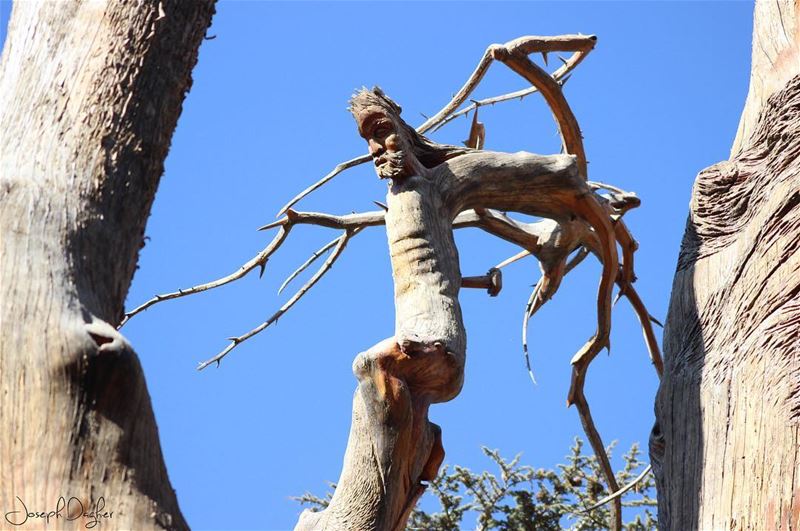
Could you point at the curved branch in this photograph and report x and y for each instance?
(580, 44)
(585, 414)
(536, 301)
(560, 76)
(514, 57)
(620, 492)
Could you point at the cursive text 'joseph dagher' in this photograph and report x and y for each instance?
(68, 509)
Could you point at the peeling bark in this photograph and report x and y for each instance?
(726, 446)
(90, 93)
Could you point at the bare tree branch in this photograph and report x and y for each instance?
(285, 224)
(319, 252)
(235, 341)
(585, 414)
(536, 301)
(580, 44)
(342, 166)
(260, 260)
(620, 492)
(510, 260)
(559, 75)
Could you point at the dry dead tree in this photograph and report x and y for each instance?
(433, 189)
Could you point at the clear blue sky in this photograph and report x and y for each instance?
(658, 100)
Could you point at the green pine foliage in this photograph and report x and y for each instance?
(520, 498)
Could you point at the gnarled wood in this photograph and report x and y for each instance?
(393, 448)
(726, 446)
(90, 93)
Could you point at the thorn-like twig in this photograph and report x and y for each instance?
(333, 173)
(283, 309)
(319, 252)
(617, 298)
(535, 302)
(259, 260)
(511, 259)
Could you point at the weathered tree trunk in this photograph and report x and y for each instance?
(726, 446)
(90, 93)
(393, 447)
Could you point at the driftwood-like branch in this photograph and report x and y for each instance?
(434, 189)
(581, 45)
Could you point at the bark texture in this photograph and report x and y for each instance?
(90, 93)
(726, 446)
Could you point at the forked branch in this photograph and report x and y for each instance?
(235, 341)
(581, 45)
(587, 223)
(259, 260)
(285, 224)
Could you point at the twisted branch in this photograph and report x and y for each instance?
(581, 45)
(536, 238)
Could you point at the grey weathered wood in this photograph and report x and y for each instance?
(393, 448)
(392, 444)
(726, 447)
(90, 93)
(775, 61)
